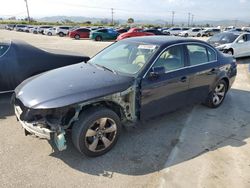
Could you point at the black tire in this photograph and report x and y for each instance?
(87, 120)
(77, 37)
(98, 38)
(186, 35)
(198, 35)
(49, 33)
(210, 102)
(61, 34)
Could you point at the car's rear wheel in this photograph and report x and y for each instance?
(186, 35)
(96, 131)
(77, 37)
(217, 96)
(49, 33)
(61, 34)
(98, 38)
(198, 35)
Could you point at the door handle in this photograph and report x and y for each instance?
(183, 79)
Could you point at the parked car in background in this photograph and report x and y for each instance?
(245, 29)
(20, 27)
(10, 27)
(134, 32)
(42, 28)
(63, 30)
(50, 31)
(122, 30)
(193, 32)
(128, 82)
(155, 31)
(19, 61)
(34, 30)
(232, 43)
(236, 30)
(27, 29)
(103, 34)
(79, 33)
(210, 32)
(173, 31)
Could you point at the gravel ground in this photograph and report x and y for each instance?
(192, 147)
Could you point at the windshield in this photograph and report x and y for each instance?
(224, 38)
(125, 57)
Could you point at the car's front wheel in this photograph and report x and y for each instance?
(96, 131)
(217, 96)
(98, 38)
(77, 37)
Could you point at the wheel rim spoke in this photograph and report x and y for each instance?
(90, 133)
(106, 142)
(220, 94)
(216, 99)
(219, 88)
(111, 129)
(102, 122)
(93, 146)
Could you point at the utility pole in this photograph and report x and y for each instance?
(189, 14)
(28, 13)
(235, 22)
(112, 16)
(173, 13)
(192, 20)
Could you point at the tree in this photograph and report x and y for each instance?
(131, 21)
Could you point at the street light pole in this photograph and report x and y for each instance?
(27, 10)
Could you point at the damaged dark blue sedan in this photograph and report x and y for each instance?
(130, 81)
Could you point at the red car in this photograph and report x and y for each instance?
(134, 32)
(79, 33)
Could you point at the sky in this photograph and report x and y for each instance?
(137, 9)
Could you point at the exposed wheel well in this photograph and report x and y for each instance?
(227, 82)
(108, 104)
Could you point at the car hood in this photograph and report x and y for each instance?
(218, 43)
(70, 85)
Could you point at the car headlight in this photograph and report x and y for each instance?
(222, 47)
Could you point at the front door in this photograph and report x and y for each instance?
(167, 91)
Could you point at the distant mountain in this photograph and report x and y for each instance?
(141, 21)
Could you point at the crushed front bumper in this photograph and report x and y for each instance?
(33, 129)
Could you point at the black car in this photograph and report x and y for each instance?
(19, 61)
(155, 31)
(131, 80)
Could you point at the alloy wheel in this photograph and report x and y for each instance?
(219, 94)
(101, 134)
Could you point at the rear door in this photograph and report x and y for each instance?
(169, 90)
(203, 70)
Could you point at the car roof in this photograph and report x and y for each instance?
(161, 40)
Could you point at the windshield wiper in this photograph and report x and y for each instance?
(105, 68)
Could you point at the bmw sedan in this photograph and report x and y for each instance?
(132, 80)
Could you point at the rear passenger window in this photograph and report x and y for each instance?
(211, 54)
(171, 59)
(199, 54)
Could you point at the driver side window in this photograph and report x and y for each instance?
(171, 59)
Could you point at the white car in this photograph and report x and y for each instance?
(50, 31)
(193, 32)
(232, 43)
(173, 31)
(20, 27)
(62, 30)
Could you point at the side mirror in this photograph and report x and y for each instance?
(156, 72)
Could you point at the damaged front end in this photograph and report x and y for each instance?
(52, 124)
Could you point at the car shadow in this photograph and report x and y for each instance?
(243, 60)
(6, 108)
(146, 148)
